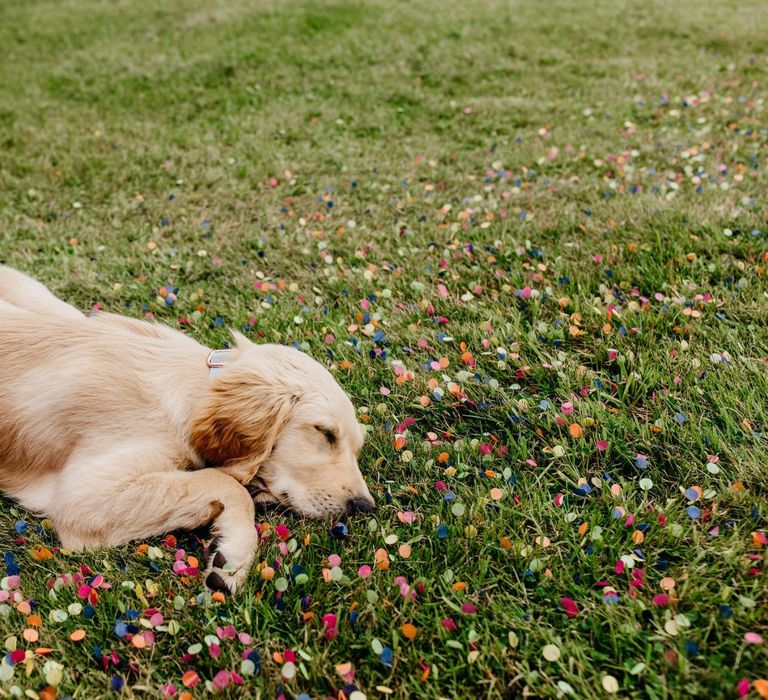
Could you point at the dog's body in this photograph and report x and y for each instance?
(113, 428)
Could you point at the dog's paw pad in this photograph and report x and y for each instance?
(227, 564)
(215, 582)
(220, 574)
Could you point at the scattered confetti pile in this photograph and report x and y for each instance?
(531, 243)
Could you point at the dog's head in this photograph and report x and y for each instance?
(277, 418)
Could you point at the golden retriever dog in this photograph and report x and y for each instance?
(119, 429)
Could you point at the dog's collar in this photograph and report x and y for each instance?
(216, 361)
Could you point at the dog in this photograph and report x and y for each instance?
(120, 429)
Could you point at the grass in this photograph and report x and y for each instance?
(587, 182)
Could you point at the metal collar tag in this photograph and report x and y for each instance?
(216, 361)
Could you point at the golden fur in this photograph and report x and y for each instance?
(112, 427)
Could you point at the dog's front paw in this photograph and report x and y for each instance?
(227, 568)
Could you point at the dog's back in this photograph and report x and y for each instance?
(23, 291)
(64, 382)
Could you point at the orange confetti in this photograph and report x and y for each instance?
(583, 528)
(575, 430)
(34, 621)
(497, 494)
(404, 550)
(408, 630)
(381, 558)
(219, 597)
(189, 678)
(43, 651)
(48, 693)
(41, 553)
(505, 543)
(78, 636)
(761, 686)
(458, 586)
(399, 442)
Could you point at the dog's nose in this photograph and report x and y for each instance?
(360, 505)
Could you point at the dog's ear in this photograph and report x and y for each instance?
(242, 418)
(240, 340)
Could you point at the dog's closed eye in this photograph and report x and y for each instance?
(328, 433)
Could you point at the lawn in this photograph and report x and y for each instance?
(530, 239)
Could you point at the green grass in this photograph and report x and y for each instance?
(485, 146)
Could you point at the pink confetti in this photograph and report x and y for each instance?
(570, 607)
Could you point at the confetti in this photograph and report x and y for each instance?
(557, 412)
(610, 684)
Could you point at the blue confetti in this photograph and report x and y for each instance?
(386, 656)
(726, 612)
(339, 531)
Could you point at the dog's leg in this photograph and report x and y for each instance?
(22, 291)
(154, 503)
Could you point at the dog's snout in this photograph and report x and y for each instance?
(360, 505)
